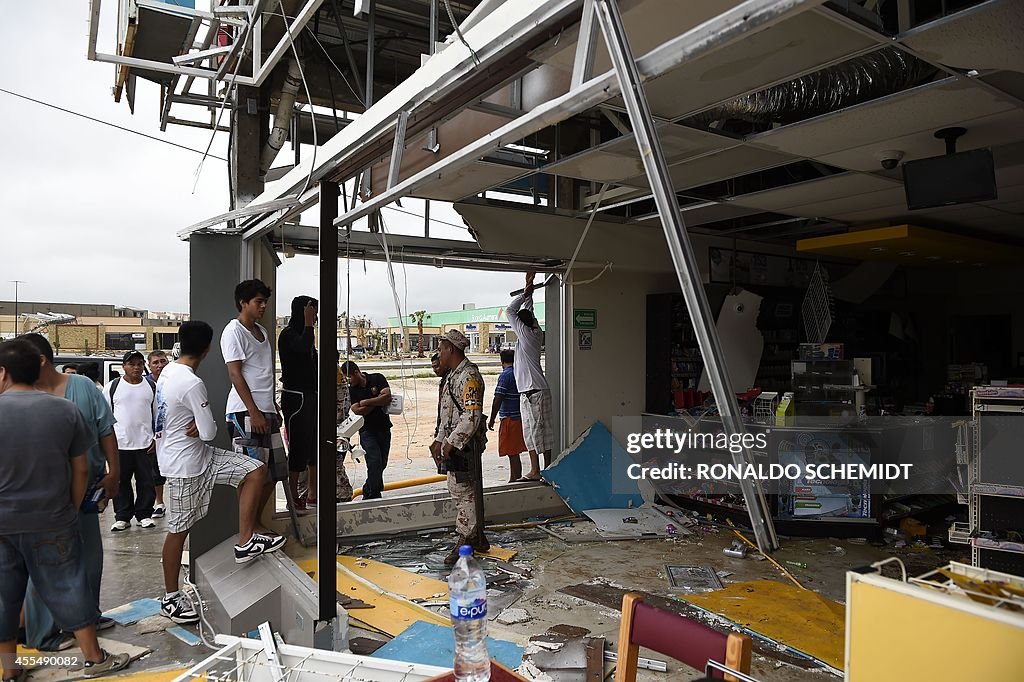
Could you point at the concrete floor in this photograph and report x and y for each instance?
(132, 571)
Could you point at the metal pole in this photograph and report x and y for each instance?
(432, 40)
(16, 282)
(327, 431)
(370, 47)
(683, 256)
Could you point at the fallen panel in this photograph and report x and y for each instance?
(693, 578)
(801, 619)
(390, 615)
(133, 612)
(610, 596)
(434, 644)
(395, 580)
(583, 477)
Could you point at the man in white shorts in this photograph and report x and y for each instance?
(184, 425)
(534, 393)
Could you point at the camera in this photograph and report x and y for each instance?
(890, 158)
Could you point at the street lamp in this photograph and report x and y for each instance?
(16, 282)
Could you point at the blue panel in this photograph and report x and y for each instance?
(191, 4)
(134, 611)
(429, 644)
(190, 638)
(584, 476)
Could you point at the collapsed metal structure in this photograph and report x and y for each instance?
(486, 111)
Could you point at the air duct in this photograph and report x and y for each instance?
(283, 117)
(857, 80)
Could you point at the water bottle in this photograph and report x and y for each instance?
(467, 590)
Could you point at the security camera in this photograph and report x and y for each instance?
(890, 158)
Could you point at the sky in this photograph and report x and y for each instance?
(91, 213)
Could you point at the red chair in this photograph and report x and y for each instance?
(685, 640)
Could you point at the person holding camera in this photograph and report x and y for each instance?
(460, 441)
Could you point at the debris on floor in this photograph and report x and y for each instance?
(692, 578)
(584, 475)
(135, 611)
(563, 656)
(801, 619)
(606, 594)
(186, 636)
(636, 523)
(432, 644)
(514, 616)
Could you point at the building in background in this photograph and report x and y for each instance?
(486, 328)
(91, 328)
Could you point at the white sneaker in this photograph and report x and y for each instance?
(147, 523)
(120, 525)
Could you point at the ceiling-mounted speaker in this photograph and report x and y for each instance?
(955, 178)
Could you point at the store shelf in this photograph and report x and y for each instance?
(993, 490)
(999, 545)
(960, 533)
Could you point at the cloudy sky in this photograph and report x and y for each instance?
(90, 213)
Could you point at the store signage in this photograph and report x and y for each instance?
(502, 325)
(584, 318)
(470, 327)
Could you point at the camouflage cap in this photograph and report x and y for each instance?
(457, 339)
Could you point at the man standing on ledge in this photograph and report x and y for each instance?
(246, 349)
(534, 394)
(370, 399)
(460, 441)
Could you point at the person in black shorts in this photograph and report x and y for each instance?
(297, 350)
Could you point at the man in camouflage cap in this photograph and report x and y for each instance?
(461, 439)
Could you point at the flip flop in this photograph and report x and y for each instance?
(525, 479)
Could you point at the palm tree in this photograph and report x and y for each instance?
(418, 316)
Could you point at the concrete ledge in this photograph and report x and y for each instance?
(507, 503)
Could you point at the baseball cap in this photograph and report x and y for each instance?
(130, 355)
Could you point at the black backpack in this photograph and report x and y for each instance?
(115, 382)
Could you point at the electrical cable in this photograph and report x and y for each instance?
(195, 600)
(106, 123)
(309, 98)
(458, 32)
(334, 64)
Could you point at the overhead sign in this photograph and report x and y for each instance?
(584, 318)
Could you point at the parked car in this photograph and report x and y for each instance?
(108, 366)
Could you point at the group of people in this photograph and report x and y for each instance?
(145, 438)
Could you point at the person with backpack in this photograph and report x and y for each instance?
(460, 441)
(131, 398)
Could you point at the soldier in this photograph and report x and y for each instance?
(460, 441)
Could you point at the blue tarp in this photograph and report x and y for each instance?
(429, 644)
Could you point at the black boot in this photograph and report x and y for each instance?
(453, 556)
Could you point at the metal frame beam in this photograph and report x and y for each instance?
(327, 439)
(583, 63)
(684, 258)
(708, 37)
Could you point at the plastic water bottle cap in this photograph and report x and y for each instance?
(465, 550)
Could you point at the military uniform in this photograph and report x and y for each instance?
(343, 487)
(461, 424)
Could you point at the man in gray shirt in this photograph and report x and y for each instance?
(39, 500)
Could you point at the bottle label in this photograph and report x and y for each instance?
(468, 608)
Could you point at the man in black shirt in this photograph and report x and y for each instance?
(298, 397)
(370, 398)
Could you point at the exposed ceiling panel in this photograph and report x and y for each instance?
(702, 214)
(832, 208)
(619, 159)
(920, 111)
(520, 230)
(648, 23)
(470, 180)
(797, 45)
(981, 132)
(817, 191)
(722, 165)
(988, 36)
